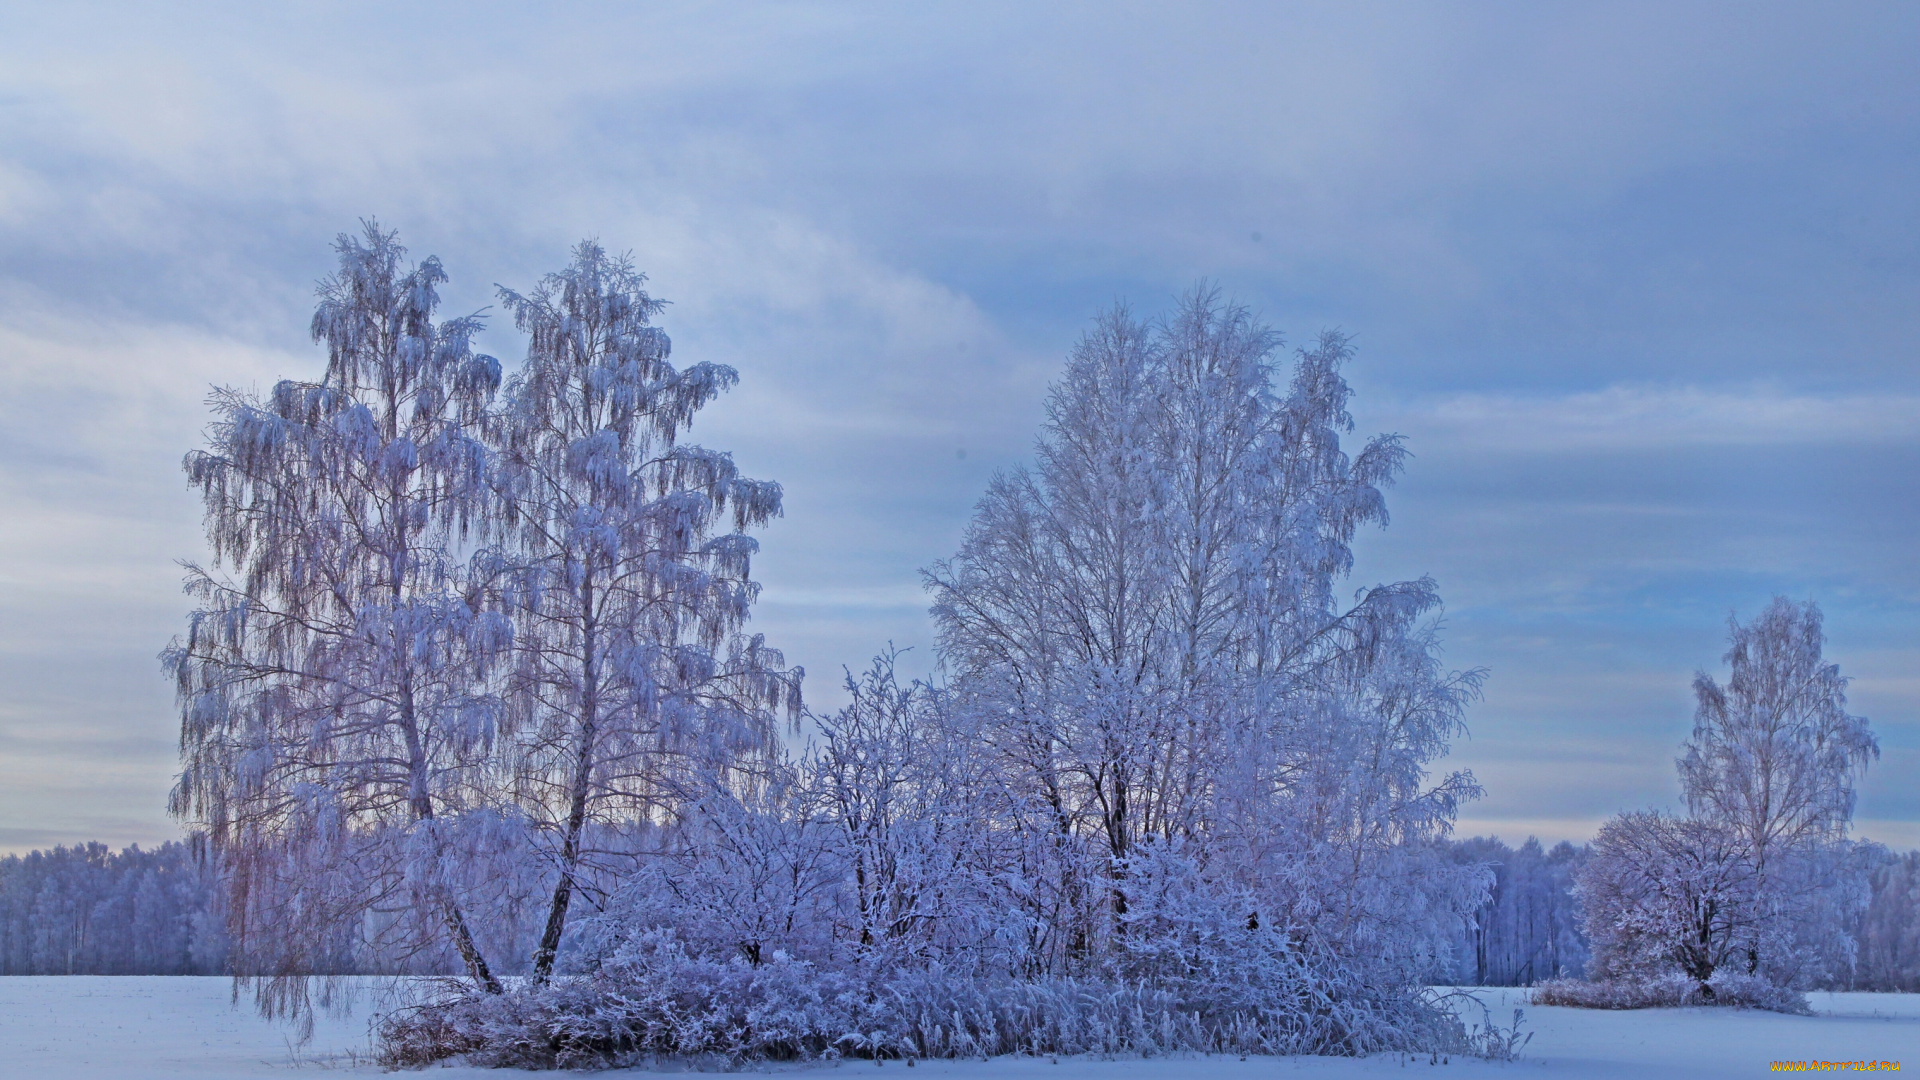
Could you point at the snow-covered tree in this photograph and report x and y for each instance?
(1661, 893)
(1144, 627)
(1758, 881)
(1169, 794)
(336, 730)
(1774, 757)
(622, 558)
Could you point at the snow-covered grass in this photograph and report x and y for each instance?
(93, 1028)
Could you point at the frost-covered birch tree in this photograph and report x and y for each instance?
(1774, 756)
(1146, 626)
(335, 724)
(1758, 882)
(623, 558)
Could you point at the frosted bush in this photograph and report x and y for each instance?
(656, 1000)
(1670, 991)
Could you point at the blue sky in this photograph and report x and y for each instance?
(1640, 284)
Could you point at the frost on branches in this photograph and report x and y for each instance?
(469, 690)
(1145, 634)
(456, 656)
(336, 726)
(1171, 795)
(1751, 896)
(624, 564)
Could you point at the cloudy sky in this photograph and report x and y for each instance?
(1640, 284)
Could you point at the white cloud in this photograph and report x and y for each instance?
(891, 222)
(1629, 418)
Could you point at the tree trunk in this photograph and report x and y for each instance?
(544, 956)
(422, 805)
(469, 952)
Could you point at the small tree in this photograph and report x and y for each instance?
(1760, 870)
(334, 725)
(623, 562)
(903, 798)
(1658, 891)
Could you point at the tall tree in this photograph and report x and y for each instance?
(334, 725)
(1146, 626)
(1774, 754)
(624, 562)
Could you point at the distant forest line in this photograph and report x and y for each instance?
(88, 910)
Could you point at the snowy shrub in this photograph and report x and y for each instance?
(656, 1000)
(1669, 991)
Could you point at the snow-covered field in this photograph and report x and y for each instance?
(83, 1028)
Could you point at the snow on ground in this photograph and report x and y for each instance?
(94, 1028)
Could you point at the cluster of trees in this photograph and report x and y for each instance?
(1144, 640)
(1531, 927)
(1757, 883)
(85, 910)
(459, 631)
(1888, 931)
(1527, 930)
(471, 656)
(468, 687)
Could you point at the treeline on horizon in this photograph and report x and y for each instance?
(88, 910)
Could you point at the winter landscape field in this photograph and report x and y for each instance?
(1075, 540)
(110, 1028)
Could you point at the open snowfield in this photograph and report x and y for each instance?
(92, 1028)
